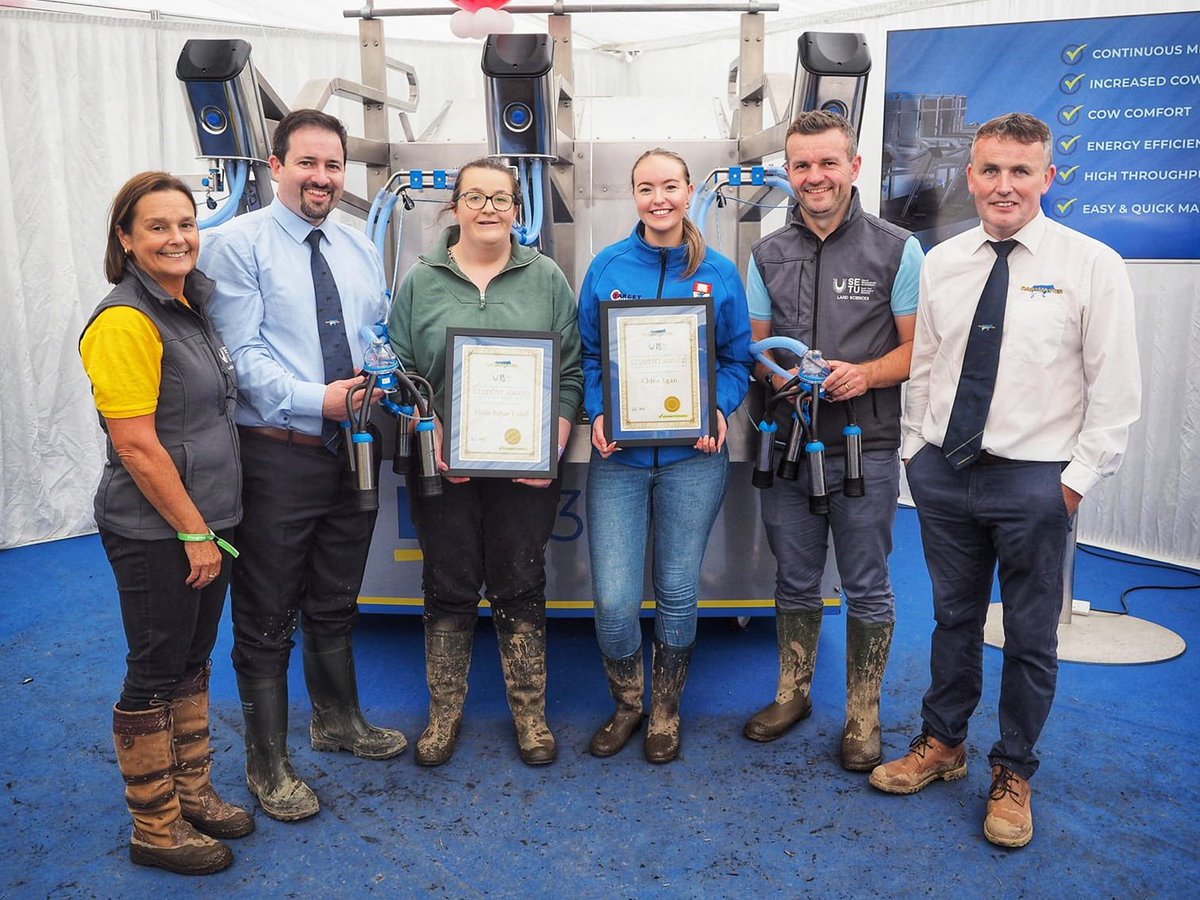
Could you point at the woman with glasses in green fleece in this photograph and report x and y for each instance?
(485, 531)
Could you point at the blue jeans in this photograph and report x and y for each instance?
(1011, 513)
(680, 503)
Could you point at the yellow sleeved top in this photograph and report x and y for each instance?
(122, 355)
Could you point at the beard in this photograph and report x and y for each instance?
(311, 210)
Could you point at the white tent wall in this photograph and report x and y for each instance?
(1151, 507)
(86, 101)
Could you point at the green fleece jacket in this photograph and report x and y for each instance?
(530, 294)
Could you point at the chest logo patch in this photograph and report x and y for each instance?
(854, 288)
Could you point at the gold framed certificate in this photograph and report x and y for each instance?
(659, 372)
(501, 403)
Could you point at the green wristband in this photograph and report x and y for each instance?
(198, 538)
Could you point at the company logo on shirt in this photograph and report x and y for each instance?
(853, 288)
(701, 289)
(1041, 291)
(618, 294)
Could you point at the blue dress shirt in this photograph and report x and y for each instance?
(265, 311)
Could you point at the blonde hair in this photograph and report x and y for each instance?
(692, 237)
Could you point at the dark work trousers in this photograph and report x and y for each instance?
(992, 511)
(169, 627)
(304, 546)
(488, 531)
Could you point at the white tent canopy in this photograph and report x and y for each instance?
(88, 96)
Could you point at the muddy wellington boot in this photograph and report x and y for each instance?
(269, 772)
(627, 683)
(797, 633)
(161, 836)
(668, 675)
(199, 801)
(867, 647)
(337, 720)
(447, 662)
(523, 658)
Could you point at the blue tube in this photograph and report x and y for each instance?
(376, 204)
(529, 233)
(381, 224)
(239, 169)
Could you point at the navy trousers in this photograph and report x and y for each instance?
(304, 546)
(993, 512)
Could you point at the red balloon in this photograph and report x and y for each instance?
(474, 5)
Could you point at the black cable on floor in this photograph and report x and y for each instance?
(1170, 567)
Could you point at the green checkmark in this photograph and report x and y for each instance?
(1072, 83)
(1069, 114)
(1064, 205)
(1068, 144)
(1074, 54)
(1066, 174)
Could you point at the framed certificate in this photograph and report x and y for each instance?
(659, 370)
(501, 403)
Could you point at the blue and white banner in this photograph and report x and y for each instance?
(1122, 96)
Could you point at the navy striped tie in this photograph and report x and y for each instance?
(977, 381)
(335, 349)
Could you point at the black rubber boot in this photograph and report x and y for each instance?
(627, 683)
(523, 658)
(668, 676)
(337, 720)
(797, 633)
(867, 648)
(269, 773)
(447, 662)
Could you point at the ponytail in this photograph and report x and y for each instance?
(696, 248)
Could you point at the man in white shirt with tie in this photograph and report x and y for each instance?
(1017, 405)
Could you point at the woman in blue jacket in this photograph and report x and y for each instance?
(672, 492)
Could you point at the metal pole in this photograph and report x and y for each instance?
(563, 8)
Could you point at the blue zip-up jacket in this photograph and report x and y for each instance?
(634, 270)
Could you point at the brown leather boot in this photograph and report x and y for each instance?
(797, 633)
(447, 662)
(523, 658)
(161, 837)
(668, 675)
(1009, 821)
(867, 647)
(928, 759)
(199, 802)
(627, 682)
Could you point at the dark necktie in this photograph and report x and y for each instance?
(977, 382)
(335, 349)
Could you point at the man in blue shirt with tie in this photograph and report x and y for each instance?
(293, 290)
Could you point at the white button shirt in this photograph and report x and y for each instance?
(1068, 385)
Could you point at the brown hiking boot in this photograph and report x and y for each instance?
(1009, 821)
(928, 759)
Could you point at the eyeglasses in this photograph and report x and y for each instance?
(501, 202)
